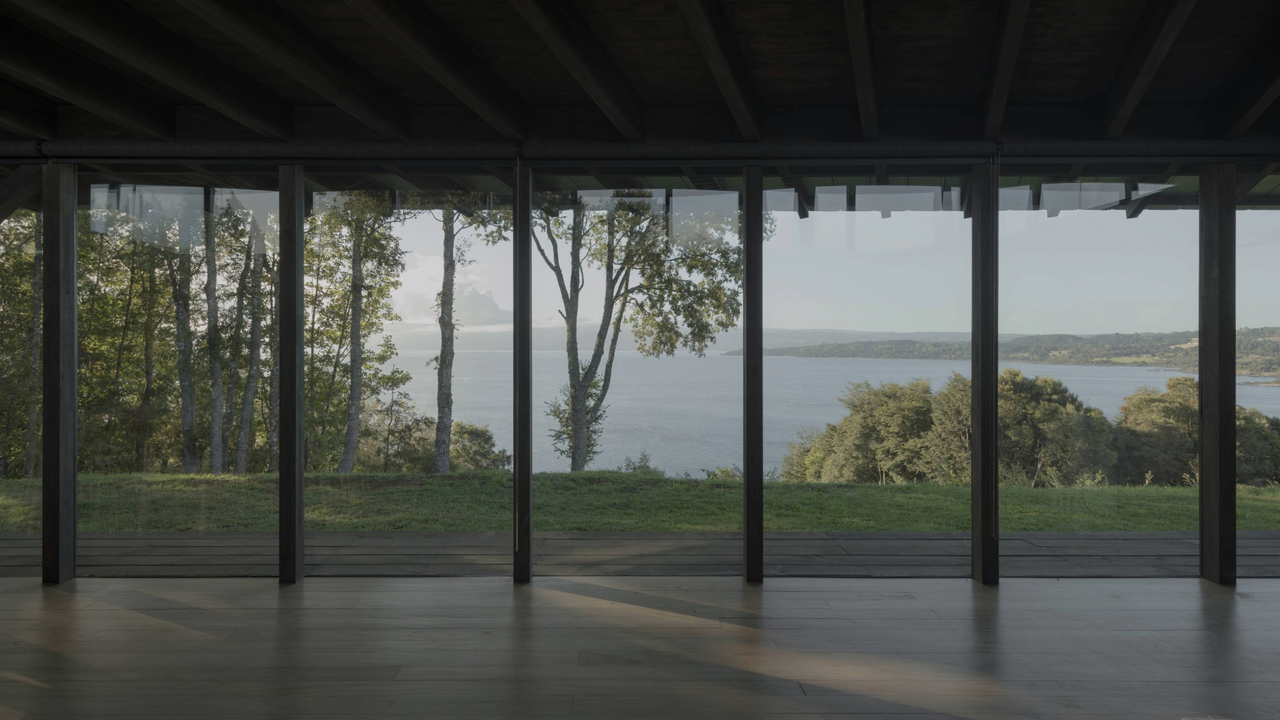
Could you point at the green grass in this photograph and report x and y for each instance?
(605, 501)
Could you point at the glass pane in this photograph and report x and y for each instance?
(179, 392)
(1258, 392)
(637, 390)
(408, 342)
(1097, 392)
(21, 288)
(866, 374)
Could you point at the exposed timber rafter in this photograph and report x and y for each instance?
(1256, 92)
(58, 72)
(1160, 25)
(719, 48)
(424, 39)
(18, 187)
(567, 35)
(1245, 183)
(857, 21)
(1013, 20)
(25, 114)
(277, 37)
(129, 36)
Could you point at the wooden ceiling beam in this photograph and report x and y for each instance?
(858, 23)
(425, 40)
(26, 114)
(17, 188)
(1256, 92)
(582, 54)
(719, 48)
(126, 34)
(1160, 25)
(1013, 20)
(278, 37)
(64, 75)
(1246, 183)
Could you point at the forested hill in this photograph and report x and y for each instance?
(1258, 350)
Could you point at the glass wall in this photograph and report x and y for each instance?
(866, 373)
(1098, 408)
(637, 372)
(1258, 362)
(21, 268)
(178, 371)
(408, 371)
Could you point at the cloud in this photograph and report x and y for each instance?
(472, 307)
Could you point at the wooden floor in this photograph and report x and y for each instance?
(670, 648)
(818, 554)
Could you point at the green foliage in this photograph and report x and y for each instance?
(19, 344)
(141, 261)
(898, 434)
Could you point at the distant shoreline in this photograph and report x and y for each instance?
(1258, 350)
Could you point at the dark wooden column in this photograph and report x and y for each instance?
(983, 194)
(752, 375)
(292, 444)
(522, 461)
(59, 346)
(1218, 373)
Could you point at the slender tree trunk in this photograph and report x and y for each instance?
(33, 380)
(180, 277)
(347, 464)
(143, 423)
(444, 364)
(273, 396)
(255, 363)
(213, 337)
(237, 343)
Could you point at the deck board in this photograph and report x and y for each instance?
(830, 554)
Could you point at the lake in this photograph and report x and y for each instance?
(686, 411)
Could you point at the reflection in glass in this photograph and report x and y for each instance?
(1097, 393)
(637, 393)
(1258, 391)
(21, 300)
(178, 379)
(866, 387)
(407, 355)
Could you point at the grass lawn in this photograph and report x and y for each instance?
(605, 501)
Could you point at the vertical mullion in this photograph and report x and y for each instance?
(752, 375)
(522, 461)
(290, 307)
(59, 368)
(1217, 384)
(983, 195)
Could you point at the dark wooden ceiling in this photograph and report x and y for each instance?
(628, 73)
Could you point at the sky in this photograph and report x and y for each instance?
(1080, 272)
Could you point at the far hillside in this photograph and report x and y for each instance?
(1257, 350)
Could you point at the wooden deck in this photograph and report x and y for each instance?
(816, 554)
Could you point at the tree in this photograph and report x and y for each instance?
(20, 308)
(459, 212)
(213, 337)
(672, 290)
(1158, 434)
(1047, 435)
(945, 457)
(353, 264)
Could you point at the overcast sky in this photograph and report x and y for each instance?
(1079, 272)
